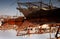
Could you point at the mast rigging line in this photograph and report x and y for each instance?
(32, 3)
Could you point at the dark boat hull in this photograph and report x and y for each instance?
(49, 15)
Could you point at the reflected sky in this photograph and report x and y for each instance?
(8, 7)
(11, 34)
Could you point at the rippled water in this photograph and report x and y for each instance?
(11, 34)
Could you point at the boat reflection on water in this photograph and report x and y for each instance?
(40, 36)
(11, 34)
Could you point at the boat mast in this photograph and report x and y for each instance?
(19, 5)
(41, 4)
(50, 3)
